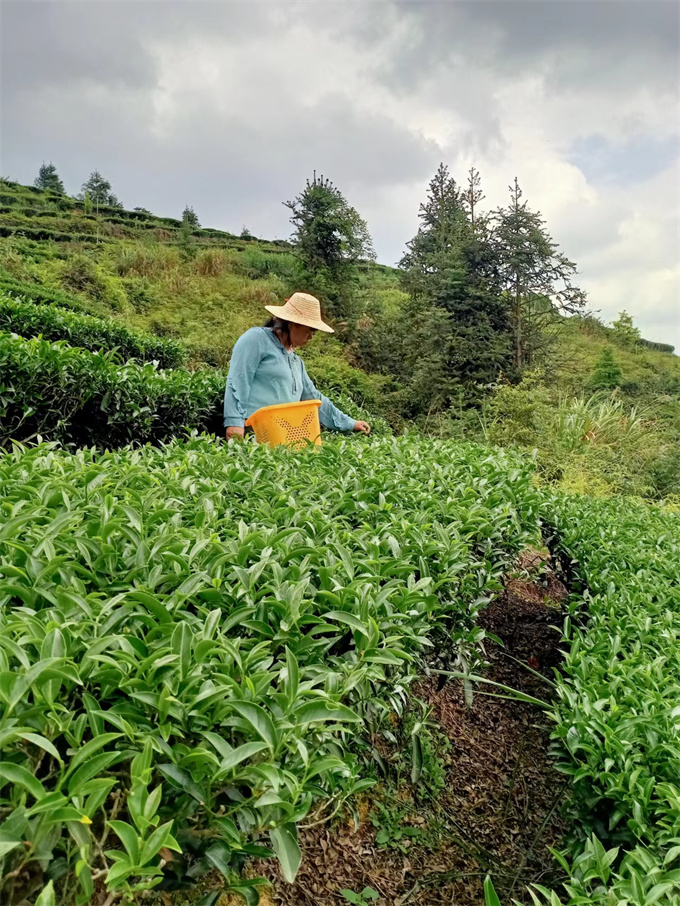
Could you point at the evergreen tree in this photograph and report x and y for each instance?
(625, 332)
(606, 374)
(450, 268)
(536, 277)
(189, 215)
(185, 238)
(99, 192)
(48, 178)
(330, 239)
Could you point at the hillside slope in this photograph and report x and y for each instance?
(204, 287)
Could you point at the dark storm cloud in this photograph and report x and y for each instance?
(622, 40)
(107, 41)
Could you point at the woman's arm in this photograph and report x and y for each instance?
(245, 358)
(329, 414)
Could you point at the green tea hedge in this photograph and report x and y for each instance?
(75, 396)
(618, 712)
(197, 642)
(30, 320)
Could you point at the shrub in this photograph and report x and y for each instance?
(199, 637)
(616, 715)
(256, 263)
(38, 293)
(82, 275)
(30, 320)
(86, 398)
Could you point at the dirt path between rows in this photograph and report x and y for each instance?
(500, 806)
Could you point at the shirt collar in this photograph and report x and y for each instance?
(278, 342)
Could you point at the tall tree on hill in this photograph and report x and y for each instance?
(625, 331)
(48, 178)
(189, 215)
(330, 239)
(537, 278)
(98, 190)
(457, 310)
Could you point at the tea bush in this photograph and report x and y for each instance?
(30, 320)
(618, 712)
(75, 396)
(195, 640)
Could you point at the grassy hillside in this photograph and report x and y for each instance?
(204, 287)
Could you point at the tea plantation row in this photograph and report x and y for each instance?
(27, 319)
(618, 711)
(191, 636)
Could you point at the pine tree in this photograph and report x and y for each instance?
(99, 192)
(48, 178)
(606, 374)
(625, 332)
(329, 239)
(189, 215)
(537, 278)
(450, 267)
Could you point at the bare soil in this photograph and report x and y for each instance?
(501, 805)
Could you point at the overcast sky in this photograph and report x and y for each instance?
(229, 106)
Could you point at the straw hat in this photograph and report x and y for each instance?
(301, 308)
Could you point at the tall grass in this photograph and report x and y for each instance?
(598, 420)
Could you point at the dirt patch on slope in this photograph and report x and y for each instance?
(500, 806)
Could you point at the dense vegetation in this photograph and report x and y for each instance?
(51, 323)
(188, 635)
(198, 641)
(204, 288)
(617, 712)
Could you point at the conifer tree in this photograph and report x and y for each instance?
(450, 268)
(625, 332)
(189, 215)
(99, 192)
(606, 374)
(537, 278)
(48, 178)
(330, 238)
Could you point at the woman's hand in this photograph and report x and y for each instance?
(364, 427)
(235, 431)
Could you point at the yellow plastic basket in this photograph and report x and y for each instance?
(296, 424)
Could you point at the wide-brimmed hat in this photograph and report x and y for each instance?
(301, 308)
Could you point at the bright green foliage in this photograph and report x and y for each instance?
(595, 445)
(51, 323)
(617, 712)
(606, 374)
(69, 394)
(194, 639)
(367, 895)
(13, 287)
(48, 179)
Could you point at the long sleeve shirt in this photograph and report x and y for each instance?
(262, 372)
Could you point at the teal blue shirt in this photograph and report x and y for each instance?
(263, 373)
